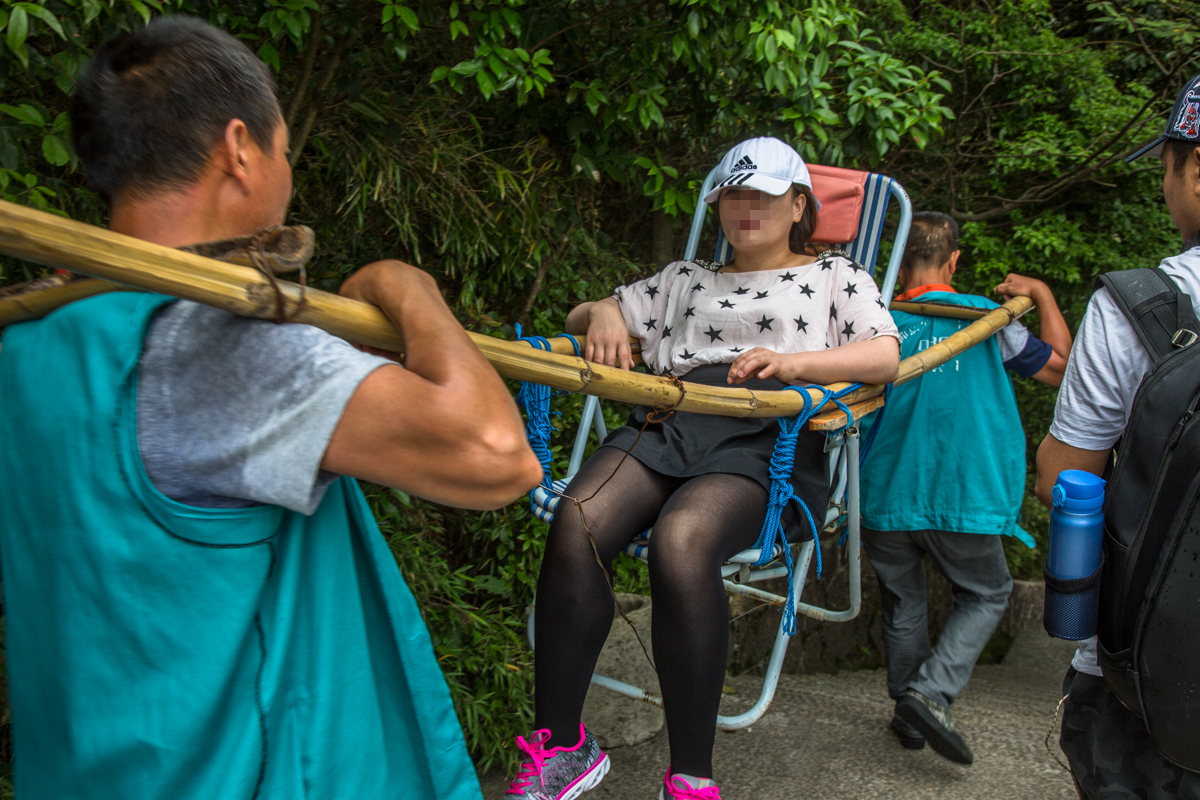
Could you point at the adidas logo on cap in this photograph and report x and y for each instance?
(744, 163)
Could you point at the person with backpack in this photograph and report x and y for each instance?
(1131, 717)
(959, 420)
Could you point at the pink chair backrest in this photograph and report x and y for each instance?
(841, 193)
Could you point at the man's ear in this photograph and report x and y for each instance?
(1193, 170)
(953, 263)
(234, 156)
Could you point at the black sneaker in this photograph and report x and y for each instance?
(910, 738)
(933, 720)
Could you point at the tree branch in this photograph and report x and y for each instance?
(1166, 72)
(540, 278)
(314, 105)
(300, 93)
(1039, 194)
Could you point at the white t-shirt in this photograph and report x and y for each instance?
(1103, 375)
(687, 315)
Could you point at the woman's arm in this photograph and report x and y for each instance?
(607, 334)
(577, 320)
(873, 361)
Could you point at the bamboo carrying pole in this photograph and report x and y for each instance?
(938, 310)
(88, 250)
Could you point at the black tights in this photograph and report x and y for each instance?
(699, 523)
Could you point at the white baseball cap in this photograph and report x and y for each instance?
(765, 163)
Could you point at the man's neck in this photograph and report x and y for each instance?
(927, 278)
(176, 218)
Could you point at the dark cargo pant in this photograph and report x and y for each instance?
(975, 566)
(1112, 757)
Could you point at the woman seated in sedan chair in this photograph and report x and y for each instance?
(775, 315)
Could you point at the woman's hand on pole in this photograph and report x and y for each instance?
(871, 361)
(608, 336)
(762, 363)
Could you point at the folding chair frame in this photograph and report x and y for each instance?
(843, 449)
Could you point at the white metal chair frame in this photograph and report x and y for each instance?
(842, 447)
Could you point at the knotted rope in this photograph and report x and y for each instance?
(534, 400)
(783, 460)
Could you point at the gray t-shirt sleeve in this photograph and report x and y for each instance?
(1021, 351)
(235, 412)
(1012, 339)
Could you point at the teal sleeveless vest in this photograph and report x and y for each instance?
(158, 650)
(950, 455)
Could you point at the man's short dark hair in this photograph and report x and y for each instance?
(932, 239)
(151, 106)
(1180, 151)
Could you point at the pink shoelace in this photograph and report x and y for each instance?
(538, 756)
(690, 792)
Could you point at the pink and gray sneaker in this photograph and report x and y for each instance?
(558, 773)
(679, 787)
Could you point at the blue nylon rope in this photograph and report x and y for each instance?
(783, 459)
(574, 343)
(534, 400)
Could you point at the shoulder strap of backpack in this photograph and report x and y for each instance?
(1161, 313)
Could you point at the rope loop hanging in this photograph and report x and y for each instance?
(783, 460)
(534, 400)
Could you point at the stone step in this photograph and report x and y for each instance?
(827, 736)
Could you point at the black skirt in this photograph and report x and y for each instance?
(686, 445)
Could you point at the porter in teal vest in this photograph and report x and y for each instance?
(158, 650)
(950, 455)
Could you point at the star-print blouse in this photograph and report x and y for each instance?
(687, 315)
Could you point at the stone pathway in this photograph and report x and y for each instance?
(826, 737)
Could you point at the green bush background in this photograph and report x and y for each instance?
(532, 155)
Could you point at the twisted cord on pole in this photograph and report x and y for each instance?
(783, 460)
(534, 400)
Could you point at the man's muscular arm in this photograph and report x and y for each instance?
(1054, 330)
(443, 426)
(1054, 456)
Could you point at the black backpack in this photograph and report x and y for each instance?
(1149, 616)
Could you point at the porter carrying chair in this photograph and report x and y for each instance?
(853, 206)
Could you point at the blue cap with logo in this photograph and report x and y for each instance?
(1183, 124)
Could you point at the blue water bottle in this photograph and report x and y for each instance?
(1076, 557)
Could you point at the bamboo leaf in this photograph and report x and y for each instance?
(55, 151)
(45, 16)
(409, 18)
(269, 55)
(18, 29)
(26, 113)
(141, 9)
(486, 85)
